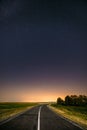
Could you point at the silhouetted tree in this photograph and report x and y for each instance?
(73, 100)
(82, 100)
(60, 101)
(68, 100)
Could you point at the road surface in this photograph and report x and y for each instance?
(39, 118)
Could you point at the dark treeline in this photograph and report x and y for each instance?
(73, 100)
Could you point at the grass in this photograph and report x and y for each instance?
(77, 114)
(10, 109)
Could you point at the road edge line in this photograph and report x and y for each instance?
(65, 118)
(14, 116)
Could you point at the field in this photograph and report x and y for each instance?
(77, 114)
(10, 109)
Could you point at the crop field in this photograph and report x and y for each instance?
(10, 109)
(77, 114)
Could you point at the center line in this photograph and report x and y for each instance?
(38, 125)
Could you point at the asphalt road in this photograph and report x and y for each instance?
(38, 118)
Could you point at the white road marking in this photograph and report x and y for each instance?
(38, 125)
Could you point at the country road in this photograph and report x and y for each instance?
(38, 118)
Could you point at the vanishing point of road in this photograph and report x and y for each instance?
(38, 118)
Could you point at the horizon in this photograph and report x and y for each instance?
(43, 51)
(36, 93)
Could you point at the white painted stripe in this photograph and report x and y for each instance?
(38, 125)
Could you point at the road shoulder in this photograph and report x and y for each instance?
(63, 116)
(15, 115)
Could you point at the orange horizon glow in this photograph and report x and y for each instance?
(38, 92)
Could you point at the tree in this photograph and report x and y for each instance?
(60, 101)
(74, 100)
(68, 100)
(82, 99)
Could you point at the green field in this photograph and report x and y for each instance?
(10, 109)
(77, 114)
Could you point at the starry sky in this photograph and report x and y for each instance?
(43, 49)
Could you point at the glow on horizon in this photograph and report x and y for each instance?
(38, 93)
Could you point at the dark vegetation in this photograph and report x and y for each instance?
(73, 100)
(74, 108)
(10, 105)
(9, 109)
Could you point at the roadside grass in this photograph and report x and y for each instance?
(77, 114)
(10, 109)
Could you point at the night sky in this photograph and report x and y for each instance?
(43, 49)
